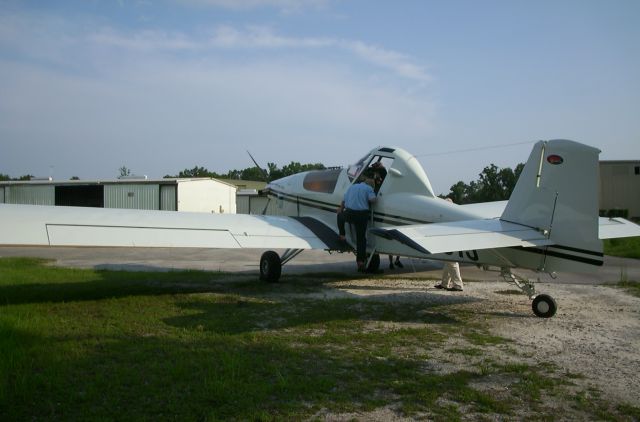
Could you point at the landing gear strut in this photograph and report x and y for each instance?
(373, 263)
(543, 305)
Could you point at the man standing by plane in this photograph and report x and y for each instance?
(355, 209)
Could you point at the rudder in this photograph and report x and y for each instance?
(557, 193)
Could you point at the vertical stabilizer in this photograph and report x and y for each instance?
(557, 193)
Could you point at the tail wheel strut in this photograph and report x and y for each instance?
(543, 305)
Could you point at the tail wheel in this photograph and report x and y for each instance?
(270, 267)
(544, 306)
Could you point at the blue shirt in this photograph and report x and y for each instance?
(357, 197)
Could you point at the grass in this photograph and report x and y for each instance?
(626, 247)
(110, 345)
(633, 287)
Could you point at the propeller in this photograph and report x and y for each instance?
(264, 172)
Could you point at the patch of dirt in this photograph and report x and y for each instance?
(595, 333)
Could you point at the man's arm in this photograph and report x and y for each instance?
(372, 196)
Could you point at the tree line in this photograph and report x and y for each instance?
(272, 172)
(493, 183)
(6, 177)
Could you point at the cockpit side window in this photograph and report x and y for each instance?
(323, 181)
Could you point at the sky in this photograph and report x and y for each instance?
(158, 86)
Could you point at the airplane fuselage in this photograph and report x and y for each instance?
(406, 198)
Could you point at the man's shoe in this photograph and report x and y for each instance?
(454, 289)
(440, 286)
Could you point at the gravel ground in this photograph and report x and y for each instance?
(596, 331)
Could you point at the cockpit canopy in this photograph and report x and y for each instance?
(409, 174)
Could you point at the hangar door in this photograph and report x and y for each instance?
(80, 196)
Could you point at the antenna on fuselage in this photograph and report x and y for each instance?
(264, 172)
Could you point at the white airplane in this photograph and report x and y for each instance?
(549, 224)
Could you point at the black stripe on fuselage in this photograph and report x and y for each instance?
(584, 251)
(561, 255)
(378, 217)
(321, 205)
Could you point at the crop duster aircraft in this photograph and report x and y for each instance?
(549, 224)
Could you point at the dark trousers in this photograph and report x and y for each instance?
(359, 219)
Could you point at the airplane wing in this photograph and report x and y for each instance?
(463, 235)
(36, 225)
(617, 227)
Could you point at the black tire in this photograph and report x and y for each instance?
(544, 306)
(374, 265)
(270, 267)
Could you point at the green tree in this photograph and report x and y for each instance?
(252, 173)
(274, 172)
(6, 177)
(124, 171)
(197, 172)
(494, 184)
(295, 167)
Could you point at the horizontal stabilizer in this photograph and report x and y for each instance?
(617, 227)
(463, 236)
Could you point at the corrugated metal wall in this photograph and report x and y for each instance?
(168, 198)
(254, 204)
(132, 196)
(1, 194)
(619, 186)
(30, 195)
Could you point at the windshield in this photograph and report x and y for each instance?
(354, 169)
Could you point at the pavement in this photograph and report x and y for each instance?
(246, 261)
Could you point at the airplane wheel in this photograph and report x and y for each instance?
(270, 267)
(374, 265)
(544, 306)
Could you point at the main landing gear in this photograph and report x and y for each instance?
(271, 264)
(542, 305)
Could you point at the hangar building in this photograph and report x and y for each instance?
(620, 189)
(195, 195)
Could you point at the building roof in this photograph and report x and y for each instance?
(166, 181)
(245, 184)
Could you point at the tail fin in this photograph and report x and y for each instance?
(557, 193)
